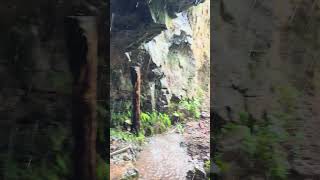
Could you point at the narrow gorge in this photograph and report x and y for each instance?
(87, 95)
(170, 43)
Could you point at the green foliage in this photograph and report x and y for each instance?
(57, 136)
(177, 114)
(120, 118)
(159, 12)
(127, 136)
(262, 146)
(244, 117)
(48, 158)
(62, 164)
(280, 166)
(11, 170)
(192, 106)
(200, 94)
(186, 108)
(287, 97)
(150, 122)
(155, 122)
(102, 169)
(222, 165)
(207, 166)
(58, 168)
(180, 128)
(121, 113)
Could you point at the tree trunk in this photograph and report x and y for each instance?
(136, 81)
(81, 35)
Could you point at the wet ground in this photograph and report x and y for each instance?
(164, 158)
(197, 135)
(169, 156)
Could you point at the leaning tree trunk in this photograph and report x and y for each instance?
(136, 81)
(81, 35)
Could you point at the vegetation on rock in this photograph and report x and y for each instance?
(261, 146)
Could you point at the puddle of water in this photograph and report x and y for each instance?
(164, 159)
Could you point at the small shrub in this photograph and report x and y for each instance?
(192, 106)
(177, 114)
(180, 128)
(262, 147)
(155, 122)
(120, 118)
(127, 136)
(222, 165)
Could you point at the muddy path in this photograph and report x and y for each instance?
(170, 156)
(165, 157)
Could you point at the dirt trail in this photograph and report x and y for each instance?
(165, 157)
(171, 155)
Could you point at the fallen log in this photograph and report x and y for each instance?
(120, 151)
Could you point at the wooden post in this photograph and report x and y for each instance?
(136, 82)
(81, 37)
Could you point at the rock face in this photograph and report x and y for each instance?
(163, 48)
(35, 90)
(196, 174)
(265, 64)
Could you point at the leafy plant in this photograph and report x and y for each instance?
(222, 165)
(159, 11)
(120, 118)
(154, 122)
(207, 166)
(177, 114)
(127, 136)
(180, 128)
(262, 147)
(192, 106)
